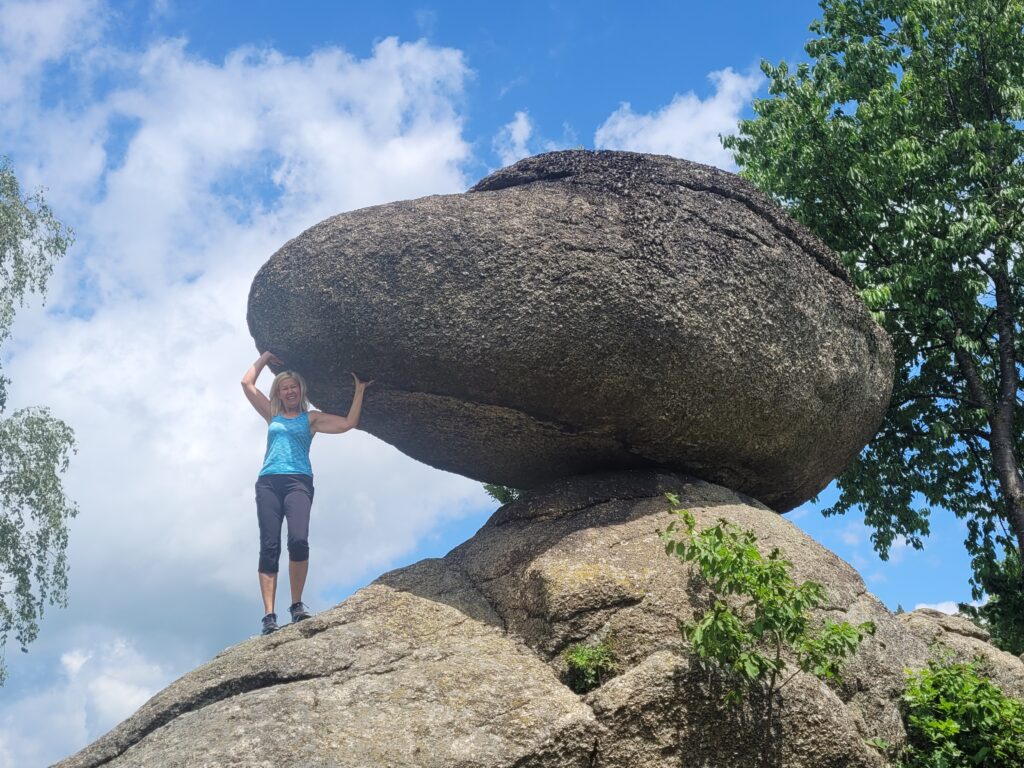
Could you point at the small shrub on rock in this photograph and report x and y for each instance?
(589, 666)
(749, 637)
(956, 717)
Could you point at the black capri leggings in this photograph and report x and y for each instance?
(279, 497)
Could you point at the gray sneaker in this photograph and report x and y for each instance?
(299, 612)
(269, 623)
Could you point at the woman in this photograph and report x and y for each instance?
(284, 489)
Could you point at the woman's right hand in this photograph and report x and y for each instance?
(270, 357)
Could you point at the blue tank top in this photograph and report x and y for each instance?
(288, 442)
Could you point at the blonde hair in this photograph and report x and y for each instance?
(275, 392)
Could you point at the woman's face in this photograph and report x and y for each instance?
(290, 393)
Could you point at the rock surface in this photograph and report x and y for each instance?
(968, 642)
(584, 311)
(457, 661)
(385, 679)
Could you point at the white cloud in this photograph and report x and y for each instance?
(209, 143)
(510, 143)
(946, 606)
(853, 533)
(689, 127)
(73, 661)
(93, 689)
(182, 176)
(34, 33)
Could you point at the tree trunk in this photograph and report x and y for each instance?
(1001, 444)
(1003, 414)
(1013, 493)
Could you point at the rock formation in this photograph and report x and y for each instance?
(582, 311)
(457, 661)
(600, 328)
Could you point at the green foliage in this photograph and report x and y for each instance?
(749, 637)
(955, 717)
(878, 743)
(1002, 615)
(31, 241)
(501, 493)
(900, 144)
(589, 666)
(34, 446)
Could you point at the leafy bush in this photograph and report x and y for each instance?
(589, 666)
(955, 717)
(749, 642)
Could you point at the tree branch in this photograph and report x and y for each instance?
(974, 383)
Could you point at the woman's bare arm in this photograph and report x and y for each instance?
(329, 424)
(258, 399)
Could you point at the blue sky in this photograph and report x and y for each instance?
(185, 142)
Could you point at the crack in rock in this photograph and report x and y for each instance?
(209, 696)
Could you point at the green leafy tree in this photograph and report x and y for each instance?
(34, 446)
(760, 613)
(900, 144)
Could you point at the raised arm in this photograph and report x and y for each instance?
(330, 424)
(258, 399)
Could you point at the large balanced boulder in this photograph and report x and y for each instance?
(582, 311)
(458, 662)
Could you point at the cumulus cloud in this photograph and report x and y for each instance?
(188, 149)
(182, 175)
(510, 143)
(688, 126)
(34, 33)
(94, 687)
